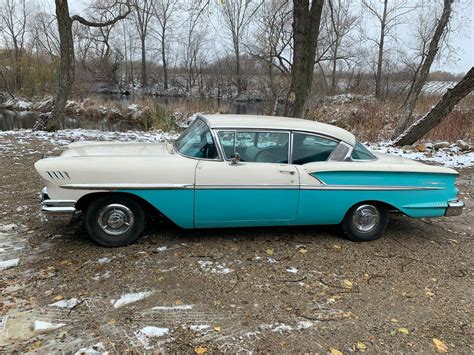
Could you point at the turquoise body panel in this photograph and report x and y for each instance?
(177, 205)
(233, 208)
(207, 208)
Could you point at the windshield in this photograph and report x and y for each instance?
(360, 152)
(197, 142)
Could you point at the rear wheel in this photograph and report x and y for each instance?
(365, 221)
(114, 221)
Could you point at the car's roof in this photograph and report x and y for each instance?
(274, 122)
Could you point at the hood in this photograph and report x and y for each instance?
(81, 149)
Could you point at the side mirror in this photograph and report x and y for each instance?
(235, 159)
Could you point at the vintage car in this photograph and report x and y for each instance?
(242, 171)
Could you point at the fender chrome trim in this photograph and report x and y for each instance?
(126, 186)
(368, 187)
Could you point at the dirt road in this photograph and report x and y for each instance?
(265, 289)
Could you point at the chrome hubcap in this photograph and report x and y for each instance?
(366, 218)
(115, 219)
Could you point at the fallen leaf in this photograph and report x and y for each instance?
(269, 252)
(303, 250)
(347, 284)
(35, 346)
(337, 247)
(393, 320)
(441, 347)
(178, 302)
(403, 330)
(217, 328)
(200, 350)
(335, 351)
(58, 298)
(429, 293)
(361, 346)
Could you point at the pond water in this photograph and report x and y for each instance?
(13, 120)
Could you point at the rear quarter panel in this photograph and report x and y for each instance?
(416, 194)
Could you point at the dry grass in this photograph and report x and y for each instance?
(373, 120)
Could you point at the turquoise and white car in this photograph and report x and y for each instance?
(243, 171)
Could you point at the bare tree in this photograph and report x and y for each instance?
(193, 41)
(306, 27)
(449, 100)
(14, 16)
(237, 15)
(388, 17)
(142, 14)
(341, 23)
(422, 74)
(164, 11)
(67, 65)
(271, 45)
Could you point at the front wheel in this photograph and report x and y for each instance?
(114, 221)
(365, 221)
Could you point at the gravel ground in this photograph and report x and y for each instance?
(229, 290)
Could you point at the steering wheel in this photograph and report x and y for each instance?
(205, 150)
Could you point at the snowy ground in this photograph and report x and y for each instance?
(271, 290)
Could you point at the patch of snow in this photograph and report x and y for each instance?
(70, 303)
(96, 349)
(181, 307)
(271, 260)
(162, 248)
(7, 264)
(450, 157)
(213, 267)
(304, 324)
(146, 334)
(42, 326)
(131, 298)
(104, 260)
(292, 270)
(282, 328)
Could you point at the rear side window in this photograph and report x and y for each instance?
(360, 152)
(309, 148)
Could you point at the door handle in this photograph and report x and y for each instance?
(291, 172)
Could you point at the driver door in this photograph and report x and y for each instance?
(261, 189)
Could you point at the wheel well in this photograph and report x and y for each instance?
(388, 206)
(86, 200)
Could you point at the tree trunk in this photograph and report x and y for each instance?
(306, 21)
(66, 66)
(143, 70)
(334, 69)
(425, 69)
(439, 112)
(165, 64)
(378, 76)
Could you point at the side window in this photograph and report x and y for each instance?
(262, 147)
(360, 152)
(308, 148)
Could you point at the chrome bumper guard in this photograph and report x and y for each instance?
(56, 206)
(454, 208)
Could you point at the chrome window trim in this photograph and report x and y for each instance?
(348, 154)
(219, 154)
(331, 138)
(254, 130)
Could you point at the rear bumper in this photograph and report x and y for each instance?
(454, 208)
(49, 206)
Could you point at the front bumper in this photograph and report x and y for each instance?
(454, 208)
(56, 206)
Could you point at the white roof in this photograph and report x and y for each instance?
(274, 122)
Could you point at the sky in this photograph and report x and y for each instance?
(462, 39)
